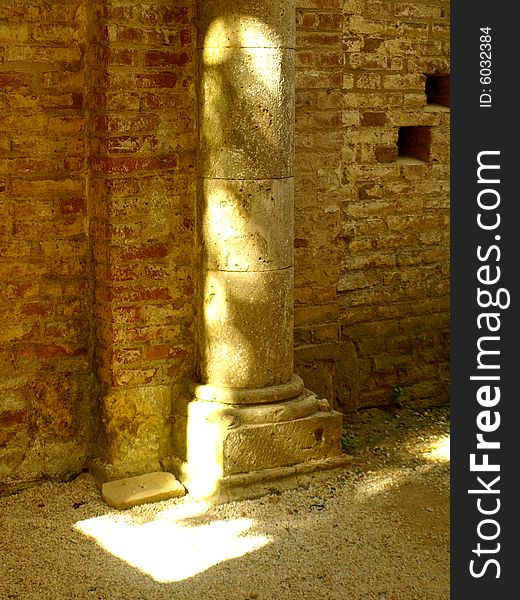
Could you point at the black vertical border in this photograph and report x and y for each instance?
(475, 129)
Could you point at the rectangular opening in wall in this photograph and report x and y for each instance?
(413, 144)
(438, 90)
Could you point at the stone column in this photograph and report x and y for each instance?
(249, 412)
(246, 193)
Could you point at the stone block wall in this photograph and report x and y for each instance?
(98, 273)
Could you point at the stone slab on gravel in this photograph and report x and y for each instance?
(133, 491)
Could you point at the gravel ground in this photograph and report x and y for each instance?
(377, 531)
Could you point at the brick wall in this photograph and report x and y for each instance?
(97, 194)
(372, 246)
(142, 137)
(45, 372)
(318, 190)
(393, 288)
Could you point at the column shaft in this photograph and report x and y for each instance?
(246, 193)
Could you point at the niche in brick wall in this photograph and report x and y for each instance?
(437, 89)
(413, 143)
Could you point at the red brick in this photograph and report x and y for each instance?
(165, 15)
(41, 309)
(51, 351)
(160, 352)
(158, 58)
(329, 21)
(15, 80)
(139, 293)
(141, 35)
(119, 165)
(72, 206)
(157, 80)
(186, 37)
(10, 418)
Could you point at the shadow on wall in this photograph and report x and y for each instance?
(245, 204)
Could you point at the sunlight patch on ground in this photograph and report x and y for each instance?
(169, 551)
(381, 481)
(376, 484)
(439, 450)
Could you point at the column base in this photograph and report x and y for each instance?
(230, 451)
(256, 484)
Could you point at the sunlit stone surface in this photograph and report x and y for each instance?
(133, 491)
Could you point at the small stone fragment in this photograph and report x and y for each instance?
(143, 489)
